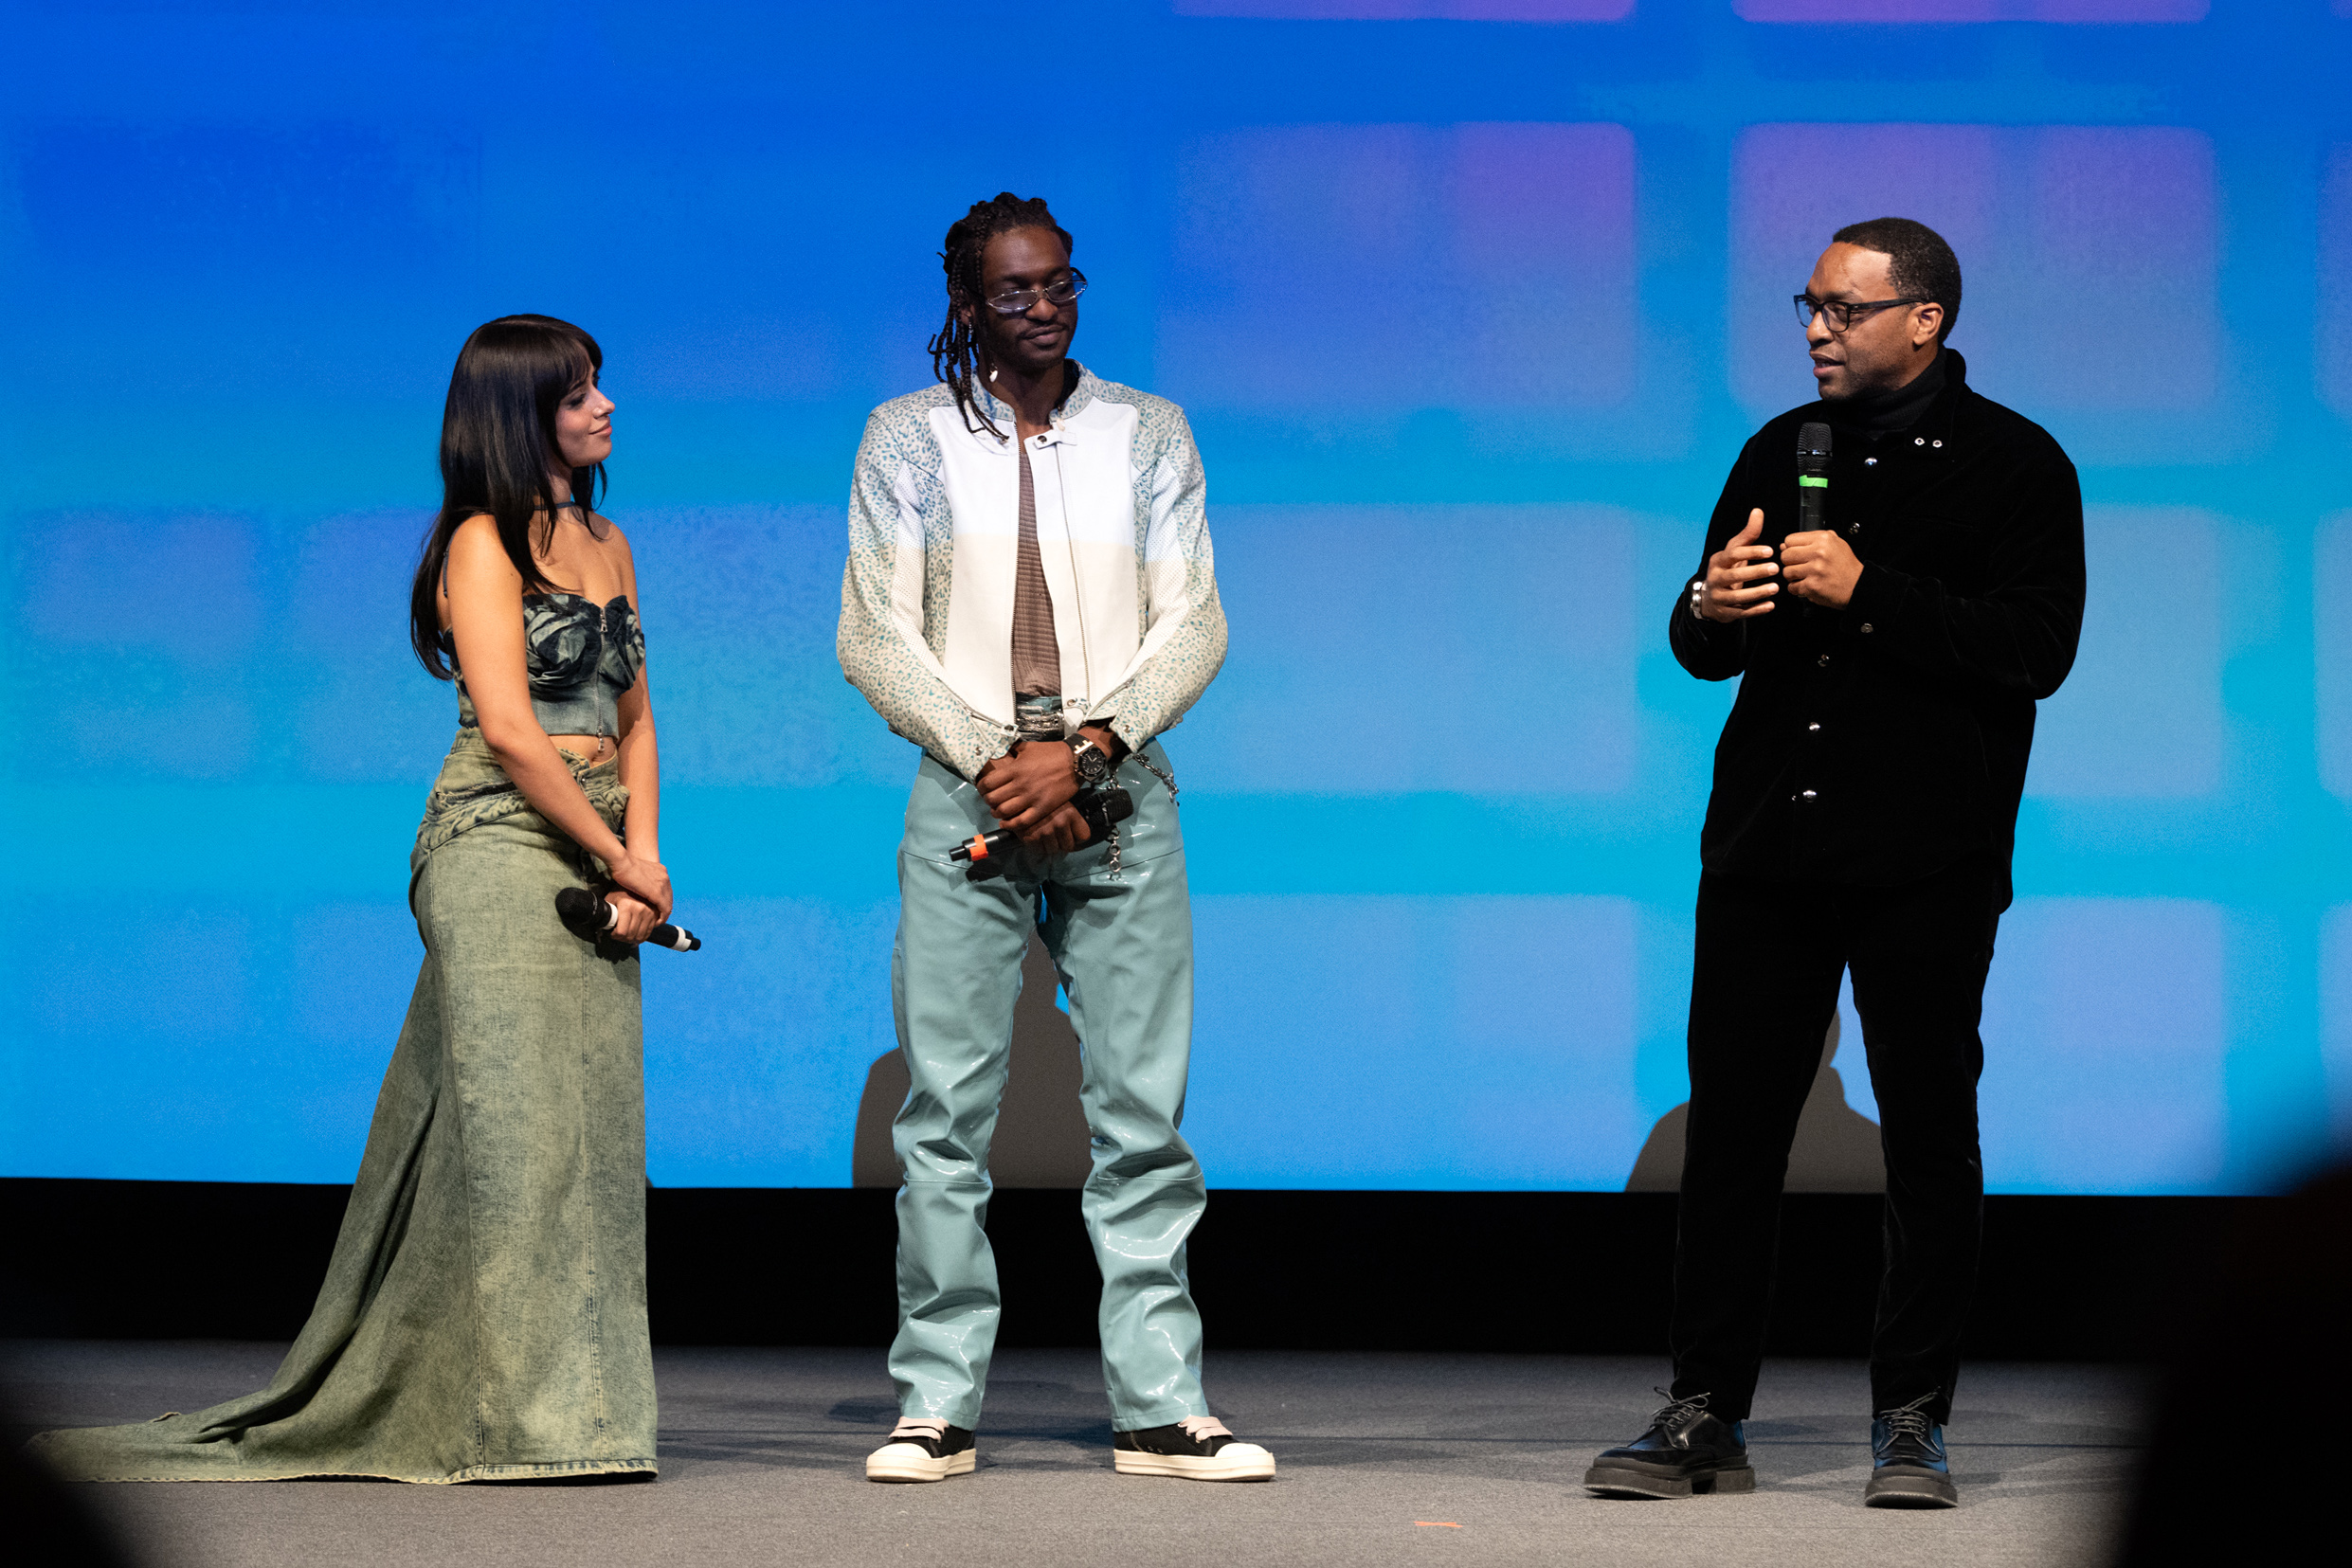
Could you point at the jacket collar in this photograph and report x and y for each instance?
(1001, 412)
(1930, 435)
(1935, 426)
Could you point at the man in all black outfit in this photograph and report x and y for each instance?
(1864, 810)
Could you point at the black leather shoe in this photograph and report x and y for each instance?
(1908, 1464)
(1686, 1452)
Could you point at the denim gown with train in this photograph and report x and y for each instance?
(484, 1313)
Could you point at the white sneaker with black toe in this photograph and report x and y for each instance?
(922, 1450)
(1199, 1447)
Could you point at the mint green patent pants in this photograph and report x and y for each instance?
(1123, 946)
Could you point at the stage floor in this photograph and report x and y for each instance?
(1405, 1459)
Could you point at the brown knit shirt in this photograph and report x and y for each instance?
(1036, 655)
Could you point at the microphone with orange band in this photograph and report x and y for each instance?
(985, 855)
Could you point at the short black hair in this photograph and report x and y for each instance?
(1919, 263)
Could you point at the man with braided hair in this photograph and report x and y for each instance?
(1030, 599)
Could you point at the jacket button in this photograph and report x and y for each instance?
(1853, 528)
(1811, 728)
(1823, 662)
(1935, 443)
(1919, 441)
(1870, 462)
(1809, 795)
(1866, 625)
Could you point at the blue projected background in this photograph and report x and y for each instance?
(1471, 301)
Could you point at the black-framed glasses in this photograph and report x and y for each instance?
(1021, 302)
(1842, 312)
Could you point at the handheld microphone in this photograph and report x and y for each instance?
(590, 914)
(983, 854)
(1812, 476)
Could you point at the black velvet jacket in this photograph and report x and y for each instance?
(1880, 743)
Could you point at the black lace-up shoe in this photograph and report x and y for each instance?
(923, 1450)
(1685, 1452)
(1908, 1466)
(1195, 1448)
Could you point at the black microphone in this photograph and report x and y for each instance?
(590, 914)
(983, 854)
(1812, 476)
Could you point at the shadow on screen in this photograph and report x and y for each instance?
(1835, 1150)
(1041, 1137)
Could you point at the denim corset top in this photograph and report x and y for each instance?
(579, 659)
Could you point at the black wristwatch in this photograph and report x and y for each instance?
(1092, 763)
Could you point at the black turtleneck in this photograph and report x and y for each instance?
(1882, 742)
(1884, 413)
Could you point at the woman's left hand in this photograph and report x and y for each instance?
(633, 918)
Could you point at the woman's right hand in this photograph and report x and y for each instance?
(648, 880)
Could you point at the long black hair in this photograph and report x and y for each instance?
(498, 432)
(953, 352)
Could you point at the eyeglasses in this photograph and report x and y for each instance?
(1021, 302)
(1842, 313)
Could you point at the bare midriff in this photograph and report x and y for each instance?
(596, 748)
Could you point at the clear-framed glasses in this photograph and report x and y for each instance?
(1021, 302)
(1843, 313)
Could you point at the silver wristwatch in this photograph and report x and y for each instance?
(1092, 763)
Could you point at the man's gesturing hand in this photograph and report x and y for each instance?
(1028, 785)
(1820, 568)
(1734, 588)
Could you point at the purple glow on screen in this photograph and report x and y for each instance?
(2040, 219)
(1977, 10)
(2105, 1013)
(1404, 266)
(2141, 715)
(1414, 11)
(1427, 598)
(2336, 1004)
(2333, 355)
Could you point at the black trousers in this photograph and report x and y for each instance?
(1763, 991)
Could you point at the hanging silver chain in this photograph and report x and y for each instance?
(1156, 773)
(1111, 862)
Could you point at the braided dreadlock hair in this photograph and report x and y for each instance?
(954, 353)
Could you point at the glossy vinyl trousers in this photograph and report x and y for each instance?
(1122, 944)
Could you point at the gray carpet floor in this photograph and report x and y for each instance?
(1386, 1459)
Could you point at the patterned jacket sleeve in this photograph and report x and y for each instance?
(1183, 641)
(881, 641)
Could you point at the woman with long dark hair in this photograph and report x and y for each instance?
(483, 1317)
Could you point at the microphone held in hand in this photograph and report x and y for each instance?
(985, 854)
(1813, 447)
(590, 915)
